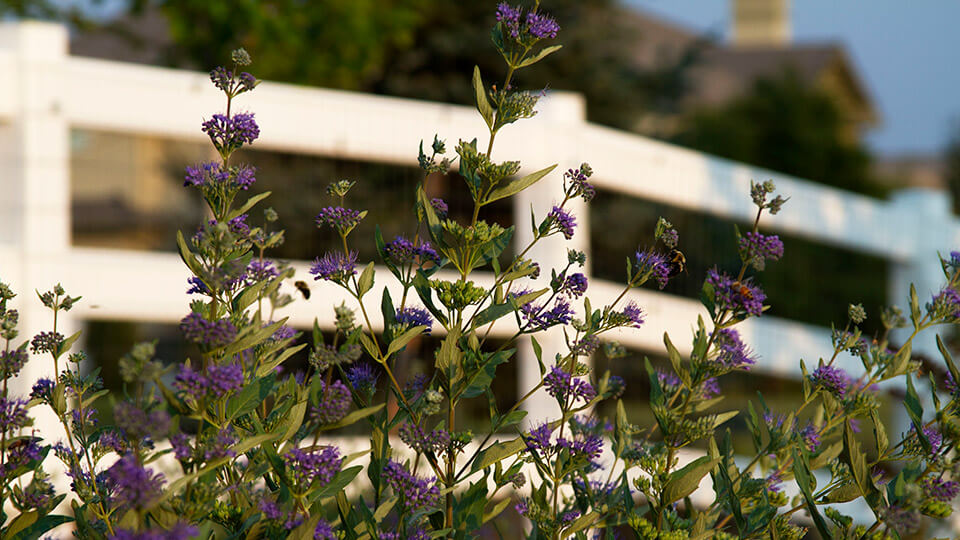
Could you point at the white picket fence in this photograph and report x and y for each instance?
(44, 92)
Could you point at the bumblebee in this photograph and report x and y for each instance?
(303, 288)
(677, 263)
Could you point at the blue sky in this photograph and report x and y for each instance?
(906, 52)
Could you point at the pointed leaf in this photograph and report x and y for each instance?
(512, 187)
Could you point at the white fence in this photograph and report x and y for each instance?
(44, 92)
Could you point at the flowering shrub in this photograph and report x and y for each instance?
(246, 440)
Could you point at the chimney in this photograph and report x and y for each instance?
(761, 22)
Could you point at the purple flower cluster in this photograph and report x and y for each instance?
(940, 489)
(238, 226)
(536, 25)
(215, 382)
(197, 286)
(414, 316)
(811, 437)
(539, 318)
(653, 265)
(46, 342)
(21, 455)
(11, 362)
(586, 345)
(261, 270)
(756, 249)
(832, 379)
(13, 414)
(230, 133)
(323, 531)
(946, 304)
(736, 296)
(710, 388)
(440, 208)
(562, 221)
(420, 441)
(363, 376)
(134, 486)
(42, 389)
(212, 334)
(563, 386)
(339, 218)
(334, 266)
(634, 314)
(416, 493)
(732, 352)
(574, 285)
(579, 186)
(935, 438)
(584, 444)
(139, 425)
(313, 468)
(402, 251)
(205, 174)
(334, 403)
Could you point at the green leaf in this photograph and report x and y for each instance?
(724, 417)
(843, 493)
(497, 509)
(879, 432)
(248, 296)
(20, 523)
(187, 256)
(512, 418)
(915, 315)
(684, 481)
(253, 338)
(404, 338)
(492, 313)
(370, 346)
(483, 105)
(948, 359)
(247, 205)
(497, 452)
(676, 361)
(250, 442)
(802, 475)
(267, 367)
(581, 523)
(449, 354)
(365, 283)
(539, 56)
(41, 526)
(512, 187)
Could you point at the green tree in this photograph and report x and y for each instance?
(785, 125)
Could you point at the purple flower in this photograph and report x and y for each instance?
(314, 468)
(740, 297)
(538, 440)
(218, 446)
(934, 438)
(216, 382)
(811, 437)
(568, 516)
(21, 455)
(339, 218)
(651, 264)
(710, 388)
(440, 208)
(414, 316)
(732, 353)
(363, 376)
(832, 379)
(586, 346)
(181, 446)
(211, 334)
(668, 379)
(940, 489)
(323, 531)
(522, 507)
(542, 26)
(579, 187)
(773, 481)
(205, 174)
(756, 249)
(13, 414)
(42, 389)
(334, 266)
(11, 362)
(197, 286)
(238, 226)
(421, 441)
(538, 318)
(564, 386)
(133, 485)
(616, 385)
(509, 17)
(946, 304)
(270, 509)
(574, 285)
(230, 133)
(951, 384)
(402, 251)
(245, 176)
(139, 426)
(334, 403)
(416, 493)
(562, 221)
(46, 342)
(634, 314)
(261, 270)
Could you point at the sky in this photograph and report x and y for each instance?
(905, 51)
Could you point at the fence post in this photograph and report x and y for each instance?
(561, 114)
(34, 180)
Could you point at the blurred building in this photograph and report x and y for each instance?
(759, 46)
